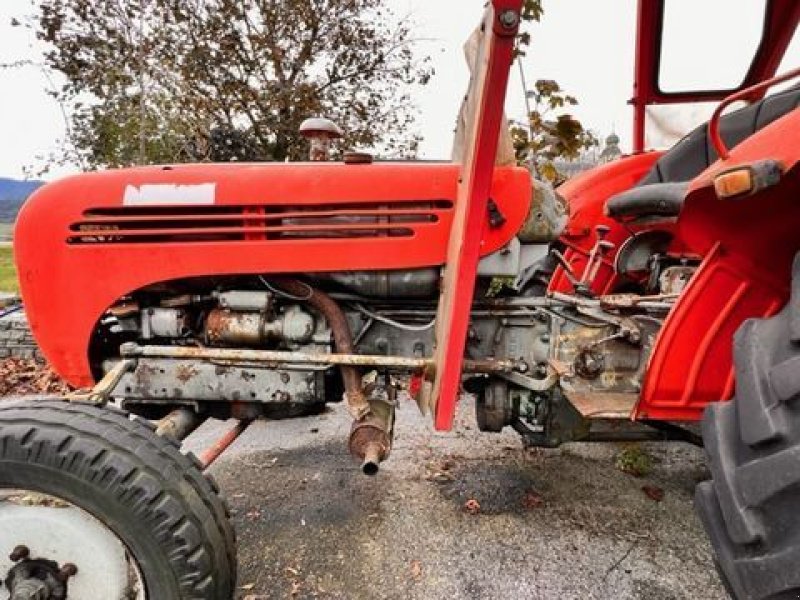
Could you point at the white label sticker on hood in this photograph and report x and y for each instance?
(160, 194)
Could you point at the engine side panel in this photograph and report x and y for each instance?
(84, 242)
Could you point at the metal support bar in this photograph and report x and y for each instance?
(470, 219)
(99, 394)
(213, 452)
(272, 358)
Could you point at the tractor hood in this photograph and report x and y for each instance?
(84, 242)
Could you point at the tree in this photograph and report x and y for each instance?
(549, 133)
(167, 80)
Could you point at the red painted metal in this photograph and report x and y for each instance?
(586, 195)
(470, 219)
(213, 452)
(648, 42)
(79, 249)
(781, 20)
(748, 245)
(747, 252)
(746, 94)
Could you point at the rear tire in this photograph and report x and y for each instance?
(153, 498)
(750, 507)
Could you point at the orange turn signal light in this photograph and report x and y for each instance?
(748, 179)
(734, 183)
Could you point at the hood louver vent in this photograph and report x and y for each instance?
(223, 223)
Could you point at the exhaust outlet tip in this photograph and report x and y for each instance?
(370, 468)
(372, 459)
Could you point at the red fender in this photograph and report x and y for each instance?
(748, 244)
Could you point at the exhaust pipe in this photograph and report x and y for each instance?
(371, 436)
(372, 459)
(179, 424)
(342, 337)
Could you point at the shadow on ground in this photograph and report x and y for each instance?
(560, 523)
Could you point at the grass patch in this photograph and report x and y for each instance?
(8, 274)
(6, 232)
(635, 461)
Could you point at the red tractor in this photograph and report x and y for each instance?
(244, 291)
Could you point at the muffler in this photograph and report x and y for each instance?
(371, 436)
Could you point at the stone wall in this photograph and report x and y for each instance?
(15, 337)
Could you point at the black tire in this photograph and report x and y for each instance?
(750, 507)
(154, 498)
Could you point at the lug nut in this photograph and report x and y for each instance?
(19, 553)
(67, 570)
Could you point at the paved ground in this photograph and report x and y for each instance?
(554, 524)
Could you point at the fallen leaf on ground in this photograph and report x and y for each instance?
(532, 499)
(24, 376)
(653, 492)
(472, 506)
(416, 570)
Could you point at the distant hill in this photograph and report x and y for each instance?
(12, 194)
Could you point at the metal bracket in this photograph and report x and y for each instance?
(530, 383)
(100, 394)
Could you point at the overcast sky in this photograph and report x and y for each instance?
(586, 45)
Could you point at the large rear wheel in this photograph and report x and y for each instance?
(95, 505)
(750, 507)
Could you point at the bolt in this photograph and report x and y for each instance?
(509, 19)
(67, 570)
(545, 338)
(19, 553)
(602, 231)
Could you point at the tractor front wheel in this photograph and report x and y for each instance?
(94, 505)
(750, 507)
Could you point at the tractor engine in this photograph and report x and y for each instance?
(577, 357)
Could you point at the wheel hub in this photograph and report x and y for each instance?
(58, 547)
(39, 579)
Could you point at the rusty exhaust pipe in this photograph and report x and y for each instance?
(342, 337)
(373, 426)
(371, 437)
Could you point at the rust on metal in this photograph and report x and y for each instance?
(213, 452)
(280, 358)
(342, 337)
(235, 327)
(371, 436)
(100, 393)
(603, 405)
(185, 373)
(179, 423)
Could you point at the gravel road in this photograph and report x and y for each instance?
(557, 524)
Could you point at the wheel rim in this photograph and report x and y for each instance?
(52, 532)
